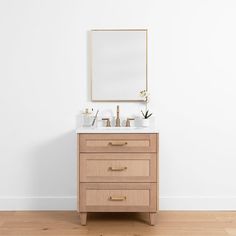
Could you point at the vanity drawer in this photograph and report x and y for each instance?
(115, 167)
(116, 197)
(117, 142)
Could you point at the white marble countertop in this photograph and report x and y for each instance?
(118, 130)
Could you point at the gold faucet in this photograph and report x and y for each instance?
(117, 116)
(108, 122)
(128, 122)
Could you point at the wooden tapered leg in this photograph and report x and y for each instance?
(152, 217)
(83, 218)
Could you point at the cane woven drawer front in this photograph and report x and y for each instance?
(117, 143)
(114, 167)
(118, 197)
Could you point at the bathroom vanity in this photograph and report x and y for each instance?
(117, 170)
(118, 166)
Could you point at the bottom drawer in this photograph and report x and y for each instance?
(116, 197)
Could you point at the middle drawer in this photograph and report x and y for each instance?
(114, 167)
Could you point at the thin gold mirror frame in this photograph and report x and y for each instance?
(91, 68)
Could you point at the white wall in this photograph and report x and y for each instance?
(43, 85)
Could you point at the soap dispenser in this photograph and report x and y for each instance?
(87, 117)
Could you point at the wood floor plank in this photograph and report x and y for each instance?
(231, 231)
(66, 223)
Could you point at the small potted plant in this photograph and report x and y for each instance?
(145, 96)
(146, 115)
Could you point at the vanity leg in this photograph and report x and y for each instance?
(83, 218)
(152, 216)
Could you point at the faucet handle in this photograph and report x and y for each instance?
(108, 122)
(128, 122)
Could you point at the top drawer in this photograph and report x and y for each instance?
(118, 142)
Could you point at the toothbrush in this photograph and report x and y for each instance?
(95, 117)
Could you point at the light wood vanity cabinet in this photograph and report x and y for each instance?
(118, 173)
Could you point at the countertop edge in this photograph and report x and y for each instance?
(112, 131)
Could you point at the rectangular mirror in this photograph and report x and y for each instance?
(118, 64)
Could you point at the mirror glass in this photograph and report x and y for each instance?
(118, 64)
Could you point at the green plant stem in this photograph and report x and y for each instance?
(146, 105)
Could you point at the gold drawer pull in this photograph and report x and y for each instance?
(117, 144)
(120, 198)
(117, 168)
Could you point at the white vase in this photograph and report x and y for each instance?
(145, 123)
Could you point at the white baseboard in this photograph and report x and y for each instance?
(69, 203)
(37, 203)
(198, 203)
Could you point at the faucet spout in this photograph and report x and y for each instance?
(117, 116)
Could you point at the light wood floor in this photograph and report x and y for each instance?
(115, 224)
